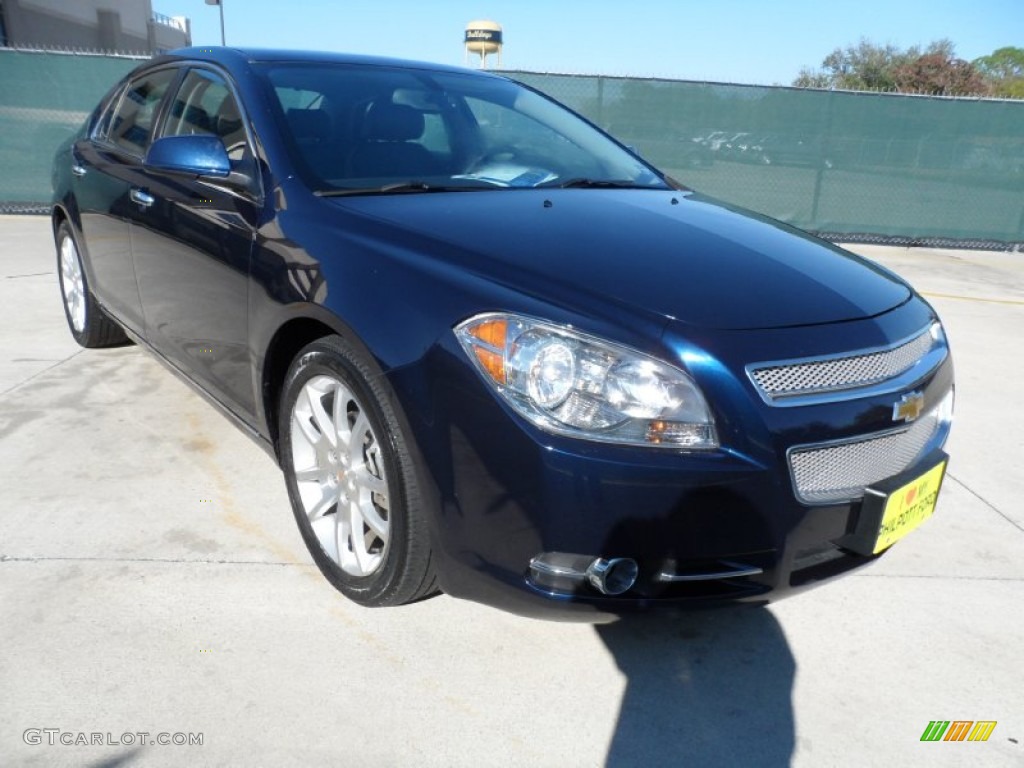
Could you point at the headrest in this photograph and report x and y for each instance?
(392, 122)
(229, 119)
(197, 119)
(309, 123)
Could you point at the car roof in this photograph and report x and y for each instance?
(227, 56)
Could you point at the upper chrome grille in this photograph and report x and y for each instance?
(777, 381)
(834, 472)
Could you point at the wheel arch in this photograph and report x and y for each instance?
(58, 215)
(66, 209)
(284, 345)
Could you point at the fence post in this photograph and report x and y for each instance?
(826, 139)
(600, 103)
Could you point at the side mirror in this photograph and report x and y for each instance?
(194, 156)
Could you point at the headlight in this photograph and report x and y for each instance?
(573, 384)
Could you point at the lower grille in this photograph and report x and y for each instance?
(837, 472)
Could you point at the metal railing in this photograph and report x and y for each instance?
(173, 22)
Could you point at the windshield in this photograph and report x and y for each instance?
(361, 129)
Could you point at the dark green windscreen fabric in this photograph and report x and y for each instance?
(861, 164)
(896, 166)
(44, 98)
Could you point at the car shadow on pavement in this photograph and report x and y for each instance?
(125, 758)
(706, 688)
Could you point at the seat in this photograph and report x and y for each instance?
(192, 119)
(229, 127)
(388, 147)
(309, 126)
(313, 132)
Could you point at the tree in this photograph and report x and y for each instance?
(860, 67)
(937, 74)
(864, 67)
(808, 78)
(1003, 70)
(867, 66)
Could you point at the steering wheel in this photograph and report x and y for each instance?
(504, 153)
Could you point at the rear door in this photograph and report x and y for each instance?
(106, 166)
(192, 241)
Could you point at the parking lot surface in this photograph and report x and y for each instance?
(154, 587)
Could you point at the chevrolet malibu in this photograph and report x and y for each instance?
(493, 351)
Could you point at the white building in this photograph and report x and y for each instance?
(94, 25)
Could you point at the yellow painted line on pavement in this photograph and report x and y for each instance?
(1014, 302)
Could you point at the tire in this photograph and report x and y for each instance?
(89, 324)
(349, 471)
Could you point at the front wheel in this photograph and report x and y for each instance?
(351, 479)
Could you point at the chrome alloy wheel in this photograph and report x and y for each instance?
(340, 475)
(72, 283)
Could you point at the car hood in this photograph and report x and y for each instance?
(679, 255)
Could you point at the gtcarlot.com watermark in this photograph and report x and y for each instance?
(58, 736)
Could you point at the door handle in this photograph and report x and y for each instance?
(142, 198)
(77, 169)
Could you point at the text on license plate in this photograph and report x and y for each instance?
(909, 506)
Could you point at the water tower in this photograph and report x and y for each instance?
(482, 38)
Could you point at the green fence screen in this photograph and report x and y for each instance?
(851, 165)
(44, 98)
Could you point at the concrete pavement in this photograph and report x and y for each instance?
(152, 580)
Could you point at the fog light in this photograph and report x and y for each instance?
(567, 573)
(560, 571)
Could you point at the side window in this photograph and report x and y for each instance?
(102, 122)
(205, 105)
(131, 124)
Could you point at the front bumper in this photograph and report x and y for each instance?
(741, 524)
(508, 493)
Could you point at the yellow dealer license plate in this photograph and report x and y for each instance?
(909, 506)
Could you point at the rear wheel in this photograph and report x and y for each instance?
(351, 479)
(89, 325)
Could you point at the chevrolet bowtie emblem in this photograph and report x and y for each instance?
(909, 407)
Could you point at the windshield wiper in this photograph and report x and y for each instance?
(581, 182)
(398, 188)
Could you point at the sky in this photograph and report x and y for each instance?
(743, 41)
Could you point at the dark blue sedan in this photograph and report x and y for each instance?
(494, 352)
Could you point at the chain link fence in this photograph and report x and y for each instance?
(44, 98)
(874, 167)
